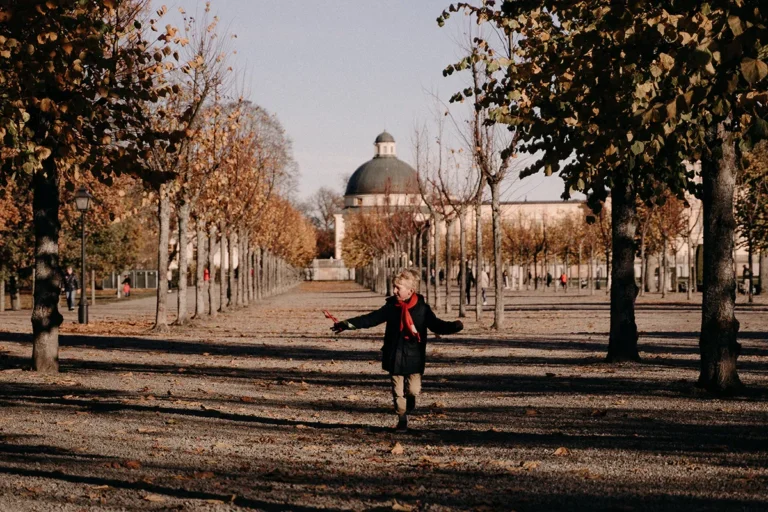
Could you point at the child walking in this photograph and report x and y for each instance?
(408, 317)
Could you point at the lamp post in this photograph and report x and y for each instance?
(83, 203)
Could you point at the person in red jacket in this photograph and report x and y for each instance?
(408, 317)
(564, 281)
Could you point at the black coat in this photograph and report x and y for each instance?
(401, 356)
(70, 282)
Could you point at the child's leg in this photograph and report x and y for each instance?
(398, 394)
(414, 388)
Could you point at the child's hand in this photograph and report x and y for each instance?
(338, 327)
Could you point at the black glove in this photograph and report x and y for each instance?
(339, 326)
(459, 325)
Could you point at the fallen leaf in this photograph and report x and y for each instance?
(562, 452)
(155, 498)
(397, 449)
(530, 411)
(529, 465)
(132, 464)
(402, 507)
(247, 399)
(598, 413)
(202, 475)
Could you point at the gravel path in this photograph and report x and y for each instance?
(261, 409)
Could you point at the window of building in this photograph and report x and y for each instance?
(359, 201)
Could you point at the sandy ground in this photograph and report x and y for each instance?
(262, 409)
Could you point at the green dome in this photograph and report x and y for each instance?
(383, 175)
(384, 137)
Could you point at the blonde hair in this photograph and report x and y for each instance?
(409, 278)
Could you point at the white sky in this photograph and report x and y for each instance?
(338, 72)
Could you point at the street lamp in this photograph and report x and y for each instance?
(83, 203)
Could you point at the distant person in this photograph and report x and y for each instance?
(127, 287)
(206, 275)
(407, 316)
(485, 282)
(469, 284)
(441, 276)
(169, 277)
(505, 276)
(549, 279)
(746, 279)
(71, 284)
(432, 277)
(564, 281)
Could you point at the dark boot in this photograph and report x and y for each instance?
(410, 404)
(402, 424)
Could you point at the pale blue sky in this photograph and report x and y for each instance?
(338, 72)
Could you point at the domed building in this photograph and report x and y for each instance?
(384, 180)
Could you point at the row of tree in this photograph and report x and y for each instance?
(617, 98)
(98, 93)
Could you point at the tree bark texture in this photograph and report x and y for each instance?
(719, 328)
(46, 318)
(436, 252)
(498, 265)
(182, 214)
(448, 224)
(462, 264)
(164, 220)
(664, 268)
(622, 344)
(233, 279)
(763, 272)
(429, 295)
(200, 265)
(2, 295)
(212, 310)
(478, 257)
(223, 281)
(15, 292)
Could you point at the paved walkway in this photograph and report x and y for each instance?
(262, 409)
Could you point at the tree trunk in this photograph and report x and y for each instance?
(591, 270)
(719, 327)
(200, 262)
(223, 281)
(448, 224)
(15, 293)
(436, 252)
(2, 294)
(478, 256)
(690, 268)
(212, 310)
(233, 280)
(764, 272)
(643, 265)
(622, 344)
(498, 265)
(420, 262)
(430, 244)
(183, 218)
(750, 253)
(46, 318)
(578, 284)
(462, 264)
(164, 218)
(259, 273)
(664, 268)
(677, 278)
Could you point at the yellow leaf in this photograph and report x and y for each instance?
(397, 449)
(562, 452)
(155, 498)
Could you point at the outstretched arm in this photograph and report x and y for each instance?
(438, 326)
(366, 321)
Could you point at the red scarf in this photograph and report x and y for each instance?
(406, 322)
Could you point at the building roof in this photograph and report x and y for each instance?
(383, 175)
(384, 137)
